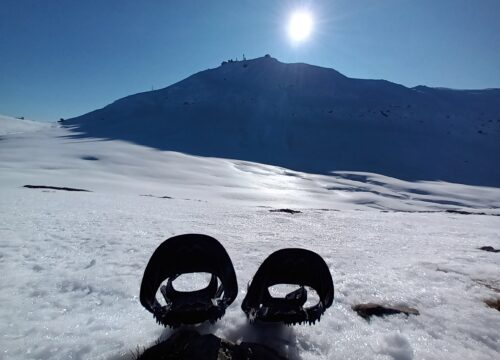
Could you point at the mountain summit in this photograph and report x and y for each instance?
(313, 119)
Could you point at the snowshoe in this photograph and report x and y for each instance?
(289, 266)
(189, 344)
(189, 253)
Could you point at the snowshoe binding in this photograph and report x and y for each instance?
(289, 266)
(189, 253)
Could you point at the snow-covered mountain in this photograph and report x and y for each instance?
(315, 120)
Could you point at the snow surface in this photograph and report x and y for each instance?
(72, 263)
(10, 125)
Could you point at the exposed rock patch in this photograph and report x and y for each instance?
(489, 249)
(54, 188)
(289, 211)
(495, 304)
(370, 309)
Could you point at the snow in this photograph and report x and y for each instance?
(10, 125)
(72, 262)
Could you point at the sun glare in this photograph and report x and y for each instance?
(300, 25)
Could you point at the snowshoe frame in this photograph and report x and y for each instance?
(182, 254)
(289, 266)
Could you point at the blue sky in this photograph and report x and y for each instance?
(63, 58)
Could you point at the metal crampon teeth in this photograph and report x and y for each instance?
(302, 322)
(213, 321)
(159, 320)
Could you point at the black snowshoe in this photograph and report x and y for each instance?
(289, 266)
(183, 254)
(189, 344)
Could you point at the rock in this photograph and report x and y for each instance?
(489, 249)
(289, 211)
(53, 188)
(495, 304)
(371, 309)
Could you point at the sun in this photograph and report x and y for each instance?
(300, 25)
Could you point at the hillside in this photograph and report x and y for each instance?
(315, 120)
(73, 261)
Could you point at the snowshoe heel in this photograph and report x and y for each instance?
(295, 267)
(189, 253)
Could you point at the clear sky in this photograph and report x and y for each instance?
(63, 58)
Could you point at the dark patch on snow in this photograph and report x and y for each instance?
(54, 188)
(158, 197)
(489, 249)
(368, 310)
(495, 304)
(289, 211)
(92, 263)
(462, 212)
(452, 211)
(418, 192)
(90, 158)
(37, 268)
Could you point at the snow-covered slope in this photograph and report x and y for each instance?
(10, 125)
(314, 120)
(53, 156)
(72, 262)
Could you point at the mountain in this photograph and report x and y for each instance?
(315, 120)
